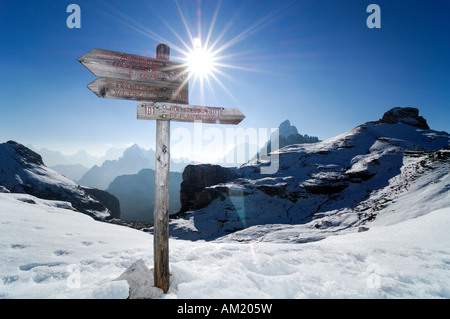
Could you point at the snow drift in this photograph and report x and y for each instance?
(48, 251)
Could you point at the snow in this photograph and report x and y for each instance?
(327, 188)
(50, 251)
(362, 215)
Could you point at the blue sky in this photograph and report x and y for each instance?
(315, 63)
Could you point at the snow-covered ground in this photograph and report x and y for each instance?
(50, 251)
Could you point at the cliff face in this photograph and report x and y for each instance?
(196, 178)
(23, 171)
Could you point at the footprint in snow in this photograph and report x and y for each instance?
(86, 243)
(30, 266)
(9, 279)
(18, 246)
(61, 252)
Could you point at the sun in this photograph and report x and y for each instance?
(200, 60)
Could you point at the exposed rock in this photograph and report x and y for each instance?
(141, 281)
(405, 115)
(27, 157)
(340, 183)
(3, 189)
(204, 197)
(273, 190)
(196, 178)
(107, 199)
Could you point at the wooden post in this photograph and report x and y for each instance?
(143, 83)
(161, 208)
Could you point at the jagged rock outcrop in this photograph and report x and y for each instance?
(23, 171)
(106, 199)
(405, 115)
(287, 135)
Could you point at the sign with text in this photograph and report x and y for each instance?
(188, 113)
(130, 67)
(129, 90)
(161, 89)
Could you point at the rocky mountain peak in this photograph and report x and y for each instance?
(25, 155)
(286, 129)
(133, 151)
(405, 115)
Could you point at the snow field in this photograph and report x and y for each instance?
(50, 252)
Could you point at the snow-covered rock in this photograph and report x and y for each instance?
(23, 171)
(406, 115)
(3, 189)
(327, 187)
(140, 281)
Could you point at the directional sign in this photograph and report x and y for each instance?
(161, 88)
(121, 89)
(188, 113)
(118, 65)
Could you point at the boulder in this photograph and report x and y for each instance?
(140, 280)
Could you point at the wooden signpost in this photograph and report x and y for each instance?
(161, 88)
(133, 77)
(118, 65)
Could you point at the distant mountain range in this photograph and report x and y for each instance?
(82, 157)
(136, 194)
(132, 161)
(129, 174)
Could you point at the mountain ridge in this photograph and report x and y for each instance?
(23, 171)
(321, 188)
(133, 159)
(136, 194)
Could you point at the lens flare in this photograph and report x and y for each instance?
(200, 60)
(203, 49)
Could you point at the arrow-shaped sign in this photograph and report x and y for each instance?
(129, 90)
(124, 66)
(188, 113)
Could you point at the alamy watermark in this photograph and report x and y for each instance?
(250, 143)
(74, 19)
(374, 19)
